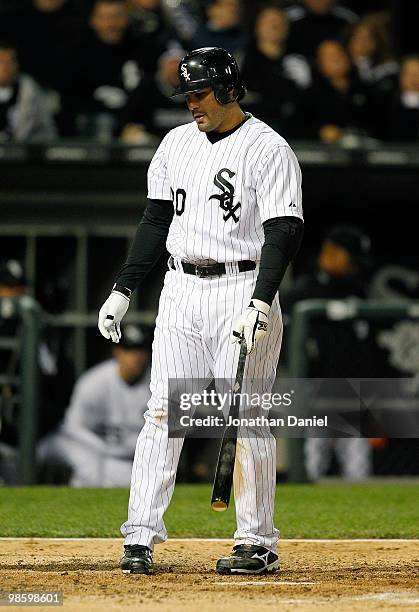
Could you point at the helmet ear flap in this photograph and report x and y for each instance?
(241, 93)
(223, 94)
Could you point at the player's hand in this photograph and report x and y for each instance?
(253, 324)
(111, 314)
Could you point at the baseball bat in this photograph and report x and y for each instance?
(223, 478)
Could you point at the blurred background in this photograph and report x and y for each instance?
(84, 101)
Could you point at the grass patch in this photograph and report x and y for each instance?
(303, 511)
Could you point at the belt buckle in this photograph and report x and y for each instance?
(200, 272)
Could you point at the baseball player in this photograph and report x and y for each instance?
(225, 198)
(98, 435)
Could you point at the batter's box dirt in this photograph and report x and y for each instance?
(349, 576)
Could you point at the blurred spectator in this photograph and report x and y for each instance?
(339, 273)
(397, 115)
(12, 285)
(44, 32)
(150, 109)
(107, 67)
(368, 45)
(12, 279)
(23, 110)
(353, 456)
(314, 22)
(223, 27)
(97, 439)
(146, 16)
(337, 105)
(267, 59)
(148, 21)
(271, 75)
(184, 17)
(336, 350)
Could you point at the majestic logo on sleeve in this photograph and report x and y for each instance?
(226, 196)
(184, 70)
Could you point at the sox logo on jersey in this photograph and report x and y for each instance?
(222, 192)
(226, 197)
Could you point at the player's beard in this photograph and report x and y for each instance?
(209, 124)
(202, 123)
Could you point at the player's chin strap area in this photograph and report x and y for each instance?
(217, 269)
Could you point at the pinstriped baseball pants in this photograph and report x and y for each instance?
(193, 341)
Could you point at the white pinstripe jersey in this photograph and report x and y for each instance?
(223, 192)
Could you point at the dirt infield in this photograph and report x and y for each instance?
(315, 575)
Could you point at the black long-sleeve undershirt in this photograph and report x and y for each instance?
(148, 245)
(283, 237)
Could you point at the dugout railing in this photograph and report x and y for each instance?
(68, 254)
(20, 345)
(20, 387)
(303, 315)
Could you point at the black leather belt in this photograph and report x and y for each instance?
(217, 269)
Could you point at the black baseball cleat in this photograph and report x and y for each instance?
(137, 559)
(248, 559)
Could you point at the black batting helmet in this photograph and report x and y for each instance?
(210, 67)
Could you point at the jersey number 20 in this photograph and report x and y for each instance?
(179, 201)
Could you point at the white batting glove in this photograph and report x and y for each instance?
(252, 324)
(111, 314)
